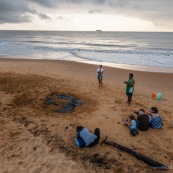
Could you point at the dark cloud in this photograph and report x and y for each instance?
(46, 3)
(14, 18)
(94, 11)
(54, 3)
(146, 9)
(157, 11)
(43, 16)
(18, 11)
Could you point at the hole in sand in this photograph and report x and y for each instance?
(62, 103)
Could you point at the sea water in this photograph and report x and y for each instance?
(154, 49)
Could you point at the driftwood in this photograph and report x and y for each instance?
(139, 156)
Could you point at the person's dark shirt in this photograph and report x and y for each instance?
(143, 122)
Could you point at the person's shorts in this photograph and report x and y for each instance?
(100, 77)
(129, 94)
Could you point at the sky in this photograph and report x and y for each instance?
(87, 15)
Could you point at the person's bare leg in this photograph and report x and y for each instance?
(129, 100)
(126, 121)
(99, 82)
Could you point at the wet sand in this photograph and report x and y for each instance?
(36, 139)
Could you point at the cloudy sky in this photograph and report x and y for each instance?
(87, 15)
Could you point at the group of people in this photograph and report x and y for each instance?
(129, 83)
(141, 120)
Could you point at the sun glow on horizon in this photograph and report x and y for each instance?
(85, 22)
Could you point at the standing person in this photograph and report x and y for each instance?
(100, 75)
(130, 88)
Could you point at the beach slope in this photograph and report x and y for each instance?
(34, 138)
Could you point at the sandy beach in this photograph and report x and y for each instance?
(34, 139)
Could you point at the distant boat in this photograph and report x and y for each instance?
(98, 30)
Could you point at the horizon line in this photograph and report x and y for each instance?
(77, 30)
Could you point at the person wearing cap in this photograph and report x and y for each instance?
(155, 119)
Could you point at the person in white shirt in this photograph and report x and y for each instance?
(100, 75)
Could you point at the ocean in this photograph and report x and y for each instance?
(153, 49)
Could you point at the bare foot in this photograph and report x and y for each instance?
(125, 119)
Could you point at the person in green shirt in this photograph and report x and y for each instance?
(130, 88)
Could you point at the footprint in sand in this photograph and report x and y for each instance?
(20, 163)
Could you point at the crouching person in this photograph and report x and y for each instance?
(155, 119)
(131, 122)
(86, 139)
